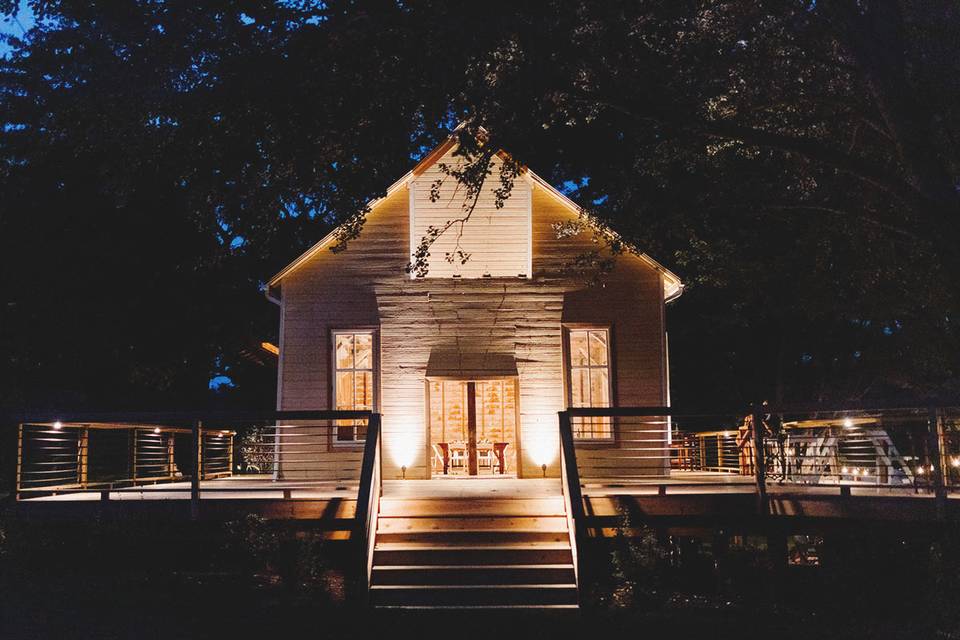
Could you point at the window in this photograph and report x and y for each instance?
(589, 370)
(353, 381)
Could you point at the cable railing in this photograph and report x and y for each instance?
(886, 451)
(189, 455)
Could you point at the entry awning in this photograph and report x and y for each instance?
(470, 365)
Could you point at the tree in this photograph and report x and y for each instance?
(793, 160)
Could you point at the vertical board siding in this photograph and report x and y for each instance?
(497, 240)
(366, 285)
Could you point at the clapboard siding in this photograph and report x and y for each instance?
(366, 286)
(497, 240)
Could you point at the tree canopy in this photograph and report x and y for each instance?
(794, 161)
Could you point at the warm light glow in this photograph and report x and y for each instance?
(847, 423)
(57, 425)
(543, 450)
(866, 472)
(272, 348)
(844, 470)
(955, 462)
(156, 429)
(403, 446)
(919, 471)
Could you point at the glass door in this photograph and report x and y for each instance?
(473, 427)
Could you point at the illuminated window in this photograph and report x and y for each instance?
(353, 361)
(588, 367)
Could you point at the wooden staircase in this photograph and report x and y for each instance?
(504, 552)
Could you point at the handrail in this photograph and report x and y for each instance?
(155, 418)
(572, 495)
(368, 497)
(800, 408)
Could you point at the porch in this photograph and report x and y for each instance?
(295, 456)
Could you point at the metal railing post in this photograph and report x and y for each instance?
(570, 480)
(760, 458)
(366, 511)
(570, 461)
(197, 470)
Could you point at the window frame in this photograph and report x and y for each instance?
(568, 368)
(373, 332)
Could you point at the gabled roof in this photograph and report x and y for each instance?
(673, 286)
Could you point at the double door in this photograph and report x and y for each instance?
(473, 425)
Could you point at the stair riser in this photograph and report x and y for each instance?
(461, 576)
(474, 537)
(554, 524)
(472, 508)
(471, 556)
(474, 597)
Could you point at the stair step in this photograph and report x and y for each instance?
(480, 594)
(394, 524)
(473, 574)
(427, 554)
(481, 607)
(391, 507)
(488, 536)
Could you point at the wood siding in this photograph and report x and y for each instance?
(497, 240)
(366, 286)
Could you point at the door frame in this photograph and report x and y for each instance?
(428, 415)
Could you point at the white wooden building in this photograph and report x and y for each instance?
(470, 364)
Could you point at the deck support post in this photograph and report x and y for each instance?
(760, 459)
(197, 470)
(939, 459)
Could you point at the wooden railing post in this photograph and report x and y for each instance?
(171, 454)
(197, 470)
(83, 460)
(133, 456)
(19, 480)
(760, 458)
(935, 426)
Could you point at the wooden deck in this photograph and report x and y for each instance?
(678, 500)
(232, 488)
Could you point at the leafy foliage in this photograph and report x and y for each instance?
(795, 161)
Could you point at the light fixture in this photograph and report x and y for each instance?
(847, 423)
(58, 425)
(844, 470)
(919, 471)
(955, 462)
(156, 429)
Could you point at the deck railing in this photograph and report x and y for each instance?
(178, 455)
(572, 495)
(892, 451)
(368, 498)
